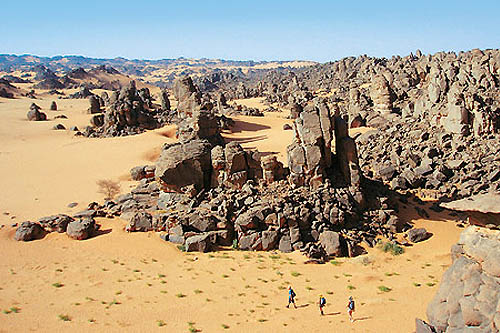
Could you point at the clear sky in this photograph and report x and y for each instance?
(317, 30)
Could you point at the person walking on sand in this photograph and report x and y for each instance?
(322, 303)
(350, 308)
(291, 297)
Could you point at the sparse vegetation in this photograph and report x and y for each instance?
(295, 274)
(391, 247)
(108, 187)
(384, 289)
(224, 326)
(161, 323)
(64, 317)
(180, 295)
(235, 245)
(57, 285)
(181, 248)
(351, 287)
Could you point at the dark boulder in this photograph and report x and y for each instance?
(28, 231)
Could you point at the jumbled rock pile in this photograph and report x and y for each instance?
(130, 111)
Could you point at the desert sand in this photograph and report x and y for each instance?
(139, 283)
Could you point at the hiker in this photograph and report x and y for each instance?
(350, 308)
(291, 297)
(322, 303)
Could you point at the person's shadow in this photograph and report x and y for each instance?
(332, 314)
(302, 306)
(362, 318)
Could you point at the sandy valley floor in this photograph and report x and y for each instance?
(138, 283)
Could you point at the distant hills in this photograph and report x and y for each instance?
(150, 71)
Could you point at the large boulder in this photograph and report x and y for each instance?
(28, 231)
(82, 229)
(183, 164)
(200, 243)
(469, 293)
(418, 235)
(331, 243)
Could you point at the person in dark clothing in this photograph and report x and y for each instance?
(291, 297)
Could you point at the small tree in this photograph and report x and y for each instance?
(108, 187)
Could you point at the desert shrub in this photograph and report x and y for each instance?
(391, 247)
(235, 245)
(108, 187)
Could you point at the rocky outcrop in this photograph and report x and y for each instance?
(310, 156)
(469, 294)
(381, 95)
(184, 164)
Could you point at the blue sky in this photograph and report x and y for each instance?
(246, 30)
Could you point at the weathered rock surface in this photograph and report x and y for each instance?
(469, 293)
(29, 231)
(82, 228)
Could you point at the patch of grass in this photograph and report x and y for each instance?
(261, 320)
(329, 292)
(274, 256)
(180, 295)
(384, 289)
(57, 285)
(295, 274)
(430, 284)
(224, 326)
(309, 288)
(198, 291)
(235, 245)
(92, 320)
(119, 292)
(114, 261)
(336, 262)
(59, 270)
(181, 248)
(225, 276)
(350, 287)
(6, 311)
(391, 247)
(161, 276)
(416, 284)
(347, 275)
(160, 323)
(15, 309)
(163, 291)
(64, 317)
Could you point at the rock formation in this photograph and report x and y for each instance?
(469, 294)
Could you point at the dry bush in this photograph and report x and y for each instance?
(108, 187)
